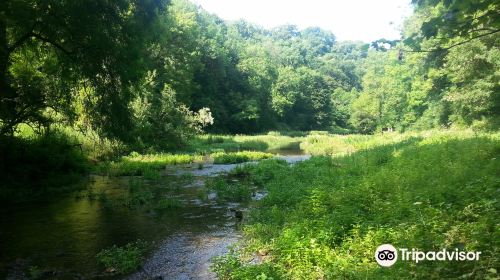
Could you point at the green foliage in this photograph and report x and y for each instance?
(149, 76)
(149, 164)
(230, 191)
(447, 79)
(340, 145)
(448, 20)
(474, 94)
(326, 145)
(49, 56)
(159, 116)
(39, 166)
(239, 157)
(168, 203)
(123, 259)
(230, 267)
(231, 143)
(324, 218)
(138, 194)
(300, 97)
(262, 172)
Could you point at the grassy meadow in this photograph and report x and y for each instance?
(324, 218)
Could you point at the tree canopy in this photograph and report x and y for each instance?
(152, 73)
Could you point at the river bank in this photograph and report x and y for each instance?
(185, 224)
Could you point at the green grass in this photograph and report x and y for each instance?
(230, 191)
(147, 165)
(168, 203)
(324, 218)
(233, 143)
(94, 147)
(123, 260)
(239, 157)
(150, 165)
(138, 194)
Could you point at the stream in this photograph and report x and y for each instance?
(60, 239)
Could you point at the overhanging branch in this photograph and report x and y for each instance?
(439, 49)
(55, 44)
(32, 34)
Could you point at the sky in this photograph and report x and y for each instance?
(364, 20)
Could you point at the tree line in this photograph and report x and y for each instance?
(151, 73)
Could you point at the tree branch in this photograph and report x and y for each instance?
(32, 34)
(19, 42)
(56, 45)
(23, 39)
(439, 49)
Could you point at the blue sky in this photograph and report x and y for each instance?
(365, 20)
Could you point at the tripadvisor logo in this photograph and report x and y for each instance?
(387, 255)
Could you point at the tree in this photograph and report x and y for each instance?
(301, 98)
(48, 51)
(474, 93)
(454, 22)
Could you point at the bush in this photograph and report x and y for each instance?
(39, 166)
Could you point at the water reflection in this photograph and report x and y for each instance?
(66, 234)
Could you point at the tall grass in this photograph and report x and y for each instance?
(231, 143)
(125, 259)
(149, 164)
(239, 157)
(324, 218)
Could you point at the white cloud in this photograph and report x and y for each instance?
(365, 20)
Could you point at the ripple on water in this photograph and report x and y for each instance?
(188, 256)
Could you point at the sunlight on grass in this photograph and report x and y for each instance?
(239, 157)
(323, 219)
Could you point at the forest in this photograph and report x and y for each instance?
(116, 106)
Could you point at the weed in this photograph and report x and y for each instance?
(324, 218)
(147, 165)
(138, 194)
(239, 157)
(168, 203)
(237, 192)
(123, 259)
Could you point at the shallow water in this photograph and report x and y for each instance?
(62, 237)
(212, 170)
(65, 235)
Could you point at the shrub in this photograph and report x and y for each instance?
(39, 166)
